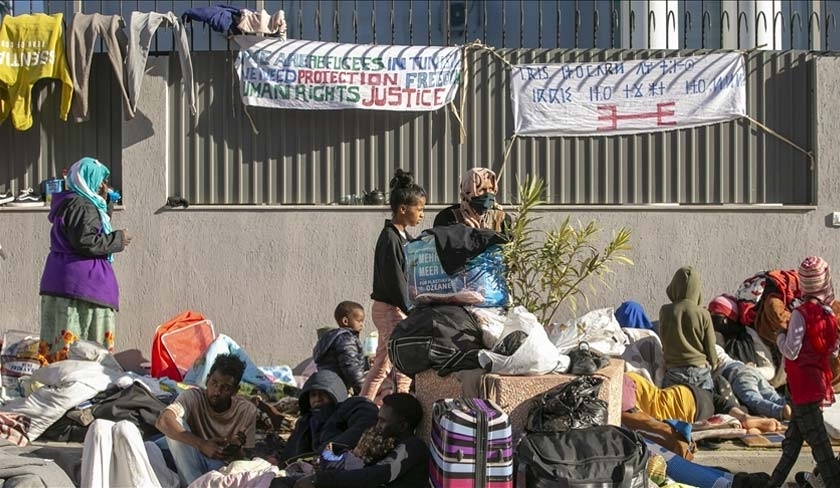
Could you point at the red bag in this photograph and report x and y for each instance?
(168, 358)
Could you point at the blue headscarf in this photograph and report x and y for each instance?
(84, 178)
(631, 314)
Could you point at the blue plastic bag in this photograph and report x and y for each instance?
(481, 283)
(266, 380)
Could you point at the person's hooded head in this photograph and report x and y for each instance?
(685, 285)
(323, 391)
(632, 315)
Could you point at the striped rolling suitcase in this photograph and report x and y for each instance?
(472, 445)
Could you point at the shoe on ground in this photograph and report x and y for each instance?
(751, 480)
(27, 198)
(6, 198)
(808, 480)
(175, 202)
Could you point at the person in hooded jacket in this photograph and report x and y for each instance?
(327, 415)
(688, 337)
(340, 350)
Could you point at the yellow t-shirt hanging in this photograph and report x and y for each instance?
(31, 49)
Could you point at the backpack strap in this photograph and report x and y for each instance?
(627, 481)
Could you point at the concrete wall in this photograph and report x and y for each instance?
(269, 276)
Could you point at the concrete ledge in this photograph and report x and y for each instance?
(514, 394)
(771, 208)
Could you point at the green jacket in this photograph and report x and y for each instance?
(685, 327)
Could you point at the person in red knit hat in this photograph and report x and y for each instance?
(807, 346)
(725, 306)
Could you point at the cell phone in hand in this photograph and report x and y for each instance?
(230, 450)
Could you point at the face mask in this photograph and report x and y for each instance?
(483, 203)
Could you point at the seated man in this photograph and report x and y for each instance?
(405, 466)
(692, 404)
(326, 416)
(206, 428)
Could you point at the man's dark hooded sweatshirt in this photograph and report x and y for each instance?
(688, 337)
(342, 423)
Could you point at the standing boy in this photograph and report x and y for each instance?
(340, 350)
(807, 346)
(688, 337)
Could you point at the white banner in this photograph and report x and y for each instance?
(314, 75)
(626, 97)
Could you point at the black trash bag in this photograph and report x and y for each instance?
(574, 405)
(586, 361)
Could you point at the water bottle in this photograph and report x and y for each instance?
(371, 343)
(53, 186)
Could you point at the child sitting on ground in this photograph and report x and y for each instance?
(340, 350)
(751, 388)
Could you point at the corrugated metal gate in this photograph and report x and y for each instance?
(302, 157)
(316, 157)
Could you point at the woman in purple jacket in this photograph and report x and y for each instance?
(79, 291)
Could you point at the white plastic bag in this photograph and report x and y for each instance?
(599, 328)
(535, 356)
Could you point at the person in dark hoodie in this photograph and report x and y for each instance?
(688, 337)
(79, 291)
(327, 415)
(405, 466)
(340, 350)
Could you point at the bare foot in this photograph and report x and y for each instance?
(762, 424)
(786, 412)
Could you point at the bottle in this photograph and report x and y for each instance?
(371, 344)
(51, 187)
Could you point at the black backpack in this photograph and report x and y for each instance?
(595, 457)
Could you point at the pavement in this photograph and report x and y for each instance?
(732, 456)
(736, 458)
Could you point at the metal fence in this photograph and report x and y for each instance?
(580, 24)
(29, 157)
(318, 157)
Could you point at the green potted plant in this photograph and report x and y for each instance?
(550, 268)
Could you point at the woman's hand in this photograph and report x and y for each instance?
(126, 238)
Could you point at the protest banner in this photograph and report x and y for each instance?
(626, 97)
(314, 75)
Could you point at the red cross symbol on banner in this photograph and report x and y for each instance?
(663, 110)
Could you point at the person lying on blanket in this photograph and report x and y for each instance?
(751, 388)
(205, 428)
(692, 404)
